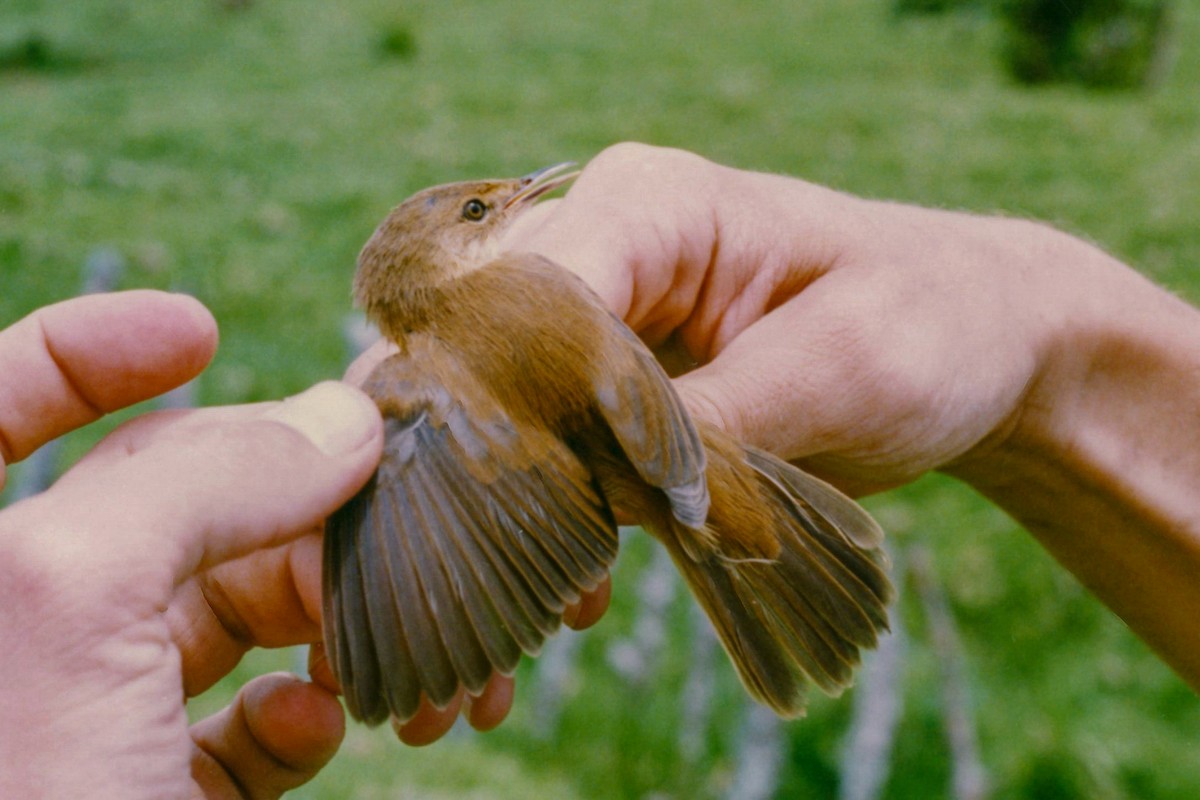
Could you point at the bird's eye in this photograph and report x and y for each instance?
(474, 210)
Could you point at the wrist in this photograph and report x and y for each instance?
(1117, 360)
(1101, 460)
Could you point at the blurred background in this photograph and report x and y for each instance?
(243, 151)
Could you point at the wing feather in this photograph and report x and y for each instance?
(462, 552)
(527, 620)
(644, 412)
(343, 590)
(398, 602)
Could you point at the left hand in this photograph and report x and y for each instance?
(145, 572)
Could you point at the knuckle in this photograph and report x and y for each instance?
(624, 155)
(649, 166)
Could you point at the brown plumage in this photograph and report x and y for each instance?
(519, 412)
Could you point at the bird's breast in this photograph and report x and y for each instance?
(528, 338)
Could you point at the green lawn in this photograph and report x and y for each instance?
(244, 156)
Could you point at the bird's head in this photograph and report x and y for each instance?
(442, 233)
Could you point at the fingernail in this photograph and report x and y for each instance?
(335, 417)
(465, 710)
(571, 613)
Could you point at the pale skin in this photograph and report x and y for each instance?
(873, 342)
(108, 579)
(870, 341)
(146, 572)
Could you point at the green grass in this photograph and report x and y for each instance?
(245, 156)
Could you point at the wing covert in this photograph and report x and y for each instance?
(644, 412)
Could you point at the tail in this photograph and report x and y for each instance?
(789, 570)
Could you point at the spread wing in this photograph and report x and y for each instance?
(463, 550)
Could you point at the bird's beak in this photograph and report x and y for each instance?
(538, 183)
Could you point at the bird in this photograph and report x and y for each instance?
(521, 419)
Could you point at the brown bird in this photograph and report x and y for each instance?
(519, 412)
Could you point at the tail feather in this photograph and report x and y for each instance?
(752, 645)
(803, 614)
(856, 574)
(845, 529)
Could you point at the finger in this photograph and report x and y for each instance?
(829, 378)
(319, 669)
(83, 358)
(752, 385)
(547, 230)
(429, 723)
(276, 735)
(638, 226)
(270, 598)
(216, 487)
(361, 367)
(490, 708)
(590, 608)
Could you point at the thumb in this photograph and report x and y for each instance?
(567, 233)
(810, 382)
(778, 385)
(184, 492)
(637, 226)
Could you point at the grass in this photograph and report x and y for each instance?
(244, 156)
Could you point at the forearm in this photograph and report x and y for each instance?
(1102, 463)
(1071, 382)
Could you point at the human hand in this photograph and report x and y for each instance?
(872, 342)
(869, 341)
(145, 572)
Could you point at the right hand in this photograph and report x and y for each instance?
(874, 341)
(870, 341)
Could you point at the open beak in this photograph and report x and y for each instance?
(538, 183)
